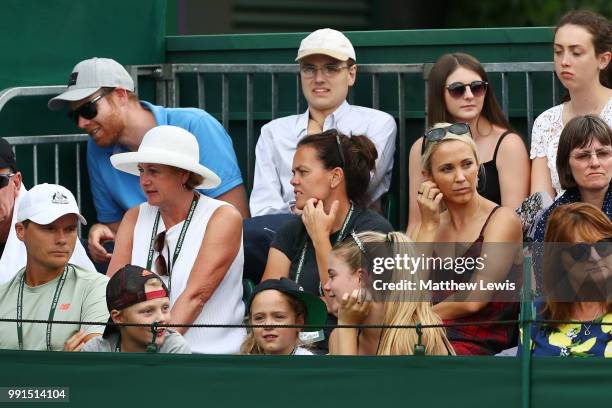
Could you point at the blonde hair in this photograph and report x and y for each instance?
(431, 147)
(250, 345)
(400, 307)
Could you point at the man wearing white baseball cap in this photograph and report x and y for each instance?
(327, 70)
(100, 99)
(12, 189)
(49, 287)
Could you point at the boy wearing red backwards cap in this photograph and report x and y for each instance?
(136, 295)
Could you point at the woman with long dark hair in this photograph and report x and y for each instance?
(582, 53)
(458, 90)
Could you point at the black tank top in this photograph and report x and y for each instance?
(488, 185)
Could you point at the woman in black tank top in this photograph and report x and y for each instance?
(450, 164)
(459, 91)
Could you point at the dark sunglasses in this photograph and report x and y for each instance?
(5, 179)
(457, 89)
(582, 251)
(160, 262)
(88, 110)
(437, 134)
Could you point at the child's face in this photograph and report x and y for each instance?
(342, 279)
(147, 312)
(272, 307)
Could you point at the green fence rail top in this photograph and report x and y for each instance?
(472, 36)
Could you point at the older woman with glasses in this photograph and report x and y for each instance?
(450, 166)
(192, 241)
(458, 90)
(331, 173)
(577, 285)
(584, 167)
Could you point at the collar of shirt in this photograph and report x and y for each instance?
(330, 120)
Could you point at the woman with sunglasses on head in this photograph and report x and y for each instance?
(582, 53)
(577, 283)
(450, 167)
(355, 301)
(192, 241)
(331, 173)
(458, 91)
(584, 165)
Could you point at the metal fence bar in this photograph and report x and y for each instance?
(201, 92)
(250, 131)
(78, 179)
(555, 92)
(35, 163)
(403, 145)
(275, 97)
(375, 91)
(505, 98)
(225, 101)
(56, 162)
(298, 91)
(529, 85)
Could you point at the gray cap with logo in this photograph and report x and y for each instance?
(90, 75)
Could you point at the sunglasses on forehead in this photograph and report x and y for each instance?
(88, 110)
(581, 252)
(437, 134)
(457, 89)
(5, 179)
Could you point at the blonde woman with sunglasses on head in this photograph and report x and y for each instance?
(458, 90)
(450, 167)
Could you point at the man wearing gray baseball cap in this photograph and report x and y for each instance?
(101, 100)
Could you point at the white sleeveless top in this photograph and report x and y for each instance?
(225, 306)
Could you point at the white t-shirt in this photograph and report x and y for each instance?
(301, 351)
(173, 343)
(14, 256)
(546, 133)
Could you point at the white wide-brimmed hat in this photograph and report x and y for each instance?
(169, 145)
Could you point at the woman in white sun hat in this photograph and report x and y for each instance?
(192, 241)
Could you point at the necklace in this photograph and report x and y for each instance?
(587, 327)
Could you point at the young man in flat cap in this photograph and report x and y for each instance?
(101, 100)
(12, 250)
(49, 287)
(327, 70)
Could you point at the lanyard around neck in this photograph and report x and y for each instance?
(56, 295)
(179, 244)
(340, 237)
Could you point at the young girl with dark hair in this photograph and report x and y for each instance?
(582, 53)
(458, 90)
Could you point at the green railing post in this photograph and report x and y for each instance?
(526, 317)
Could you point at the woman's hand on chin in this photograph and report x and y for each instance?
(318, 223)
(428, 199)
(354, 308)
